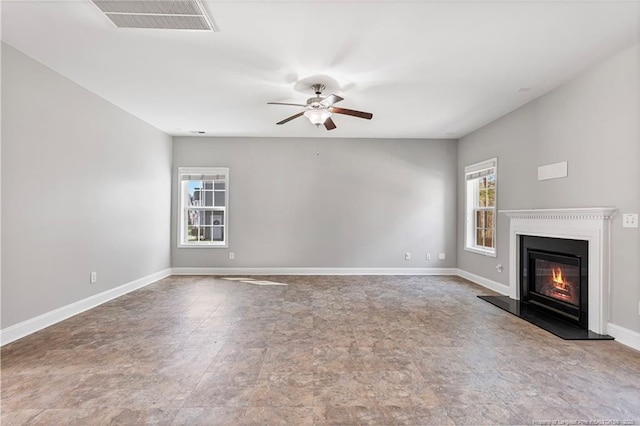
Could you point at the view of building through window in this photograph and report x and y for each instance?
(204, 206)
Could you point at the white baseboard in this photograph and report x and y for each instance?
(314, 271)
(624, 335)
(24, 328)
(484, 282)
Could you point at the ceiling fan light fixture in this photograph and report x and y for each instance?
(319, 110)
(317, 116)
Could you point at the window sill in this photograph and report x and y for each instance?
(484, 252)
(205, 246)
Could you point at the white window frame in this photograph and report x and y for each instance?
(471, 205)
(183, 207)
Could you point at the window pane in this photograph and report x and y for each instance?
(482, 182)
(480, 219)
(197, 198)
(192, 233)
(218, 218)
(217, 233)
(193, 217)
(491, 181)
(488, 238)
(491, 197)
(482, 198)
(219, 185)
(479, 239)
(207, 198)
(194, 187)
(489, 223)
(219, 198)
(205, 233)
(207, 217)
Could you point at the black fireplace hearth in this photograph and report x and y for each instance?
(554, 283)
(551, 323)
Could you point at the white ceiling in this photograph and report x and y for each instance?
(425, 69)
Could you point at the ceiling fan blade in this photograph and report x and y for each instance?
(284, 103)
(359, 114)
(330, 100)
(286, 120)
(329, 124)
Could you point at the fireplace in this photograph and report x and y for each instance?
(554, 275)
(590, 224)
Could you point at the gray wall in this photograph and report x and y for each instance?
(85, 187)
(591, 122)
(359, 203)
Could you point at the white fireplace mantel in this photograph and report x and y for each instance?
(590, 224)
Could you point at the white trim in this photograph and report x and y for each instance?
(484, 282)
(590, 224)
(482, 165)
(484, 252)
(567, 214)
(314, 271)
(24, 328)
(624, 335)
(470, 198)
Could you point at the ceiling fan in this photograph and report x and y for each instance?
(319, 110)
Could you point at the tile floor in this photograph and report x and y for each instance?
(322, 350)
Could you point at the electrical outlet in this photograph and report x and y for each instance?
(441, 256)
(407, 256)
(93, 278)
(630, 220)
(499, 268)
(428, 257)
(232, 255)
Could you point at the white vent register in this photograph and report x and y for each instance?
(157, 14)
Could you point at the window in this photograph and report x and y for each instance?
(204, 197)
(480, 191)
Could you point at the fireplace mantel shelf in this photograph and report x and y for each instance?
(568, 213)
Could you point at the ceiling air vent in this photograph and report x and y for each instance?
(159, 14)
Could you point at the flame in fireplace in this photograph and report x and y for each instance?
(558, 281)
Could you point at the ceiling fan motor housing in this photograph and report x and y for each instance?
(314, 102)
